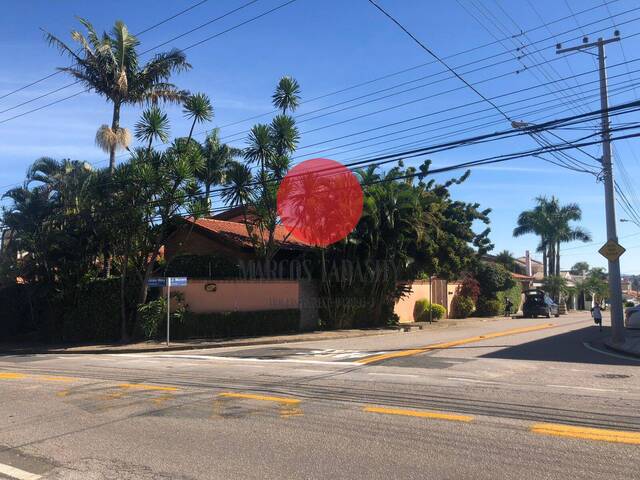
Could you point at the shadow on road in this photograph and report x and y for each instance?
(565, 347)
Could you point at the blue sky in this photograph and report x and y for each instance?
(330, 45)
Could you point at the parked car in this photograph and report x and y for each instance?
(538, 303)
(632, 317)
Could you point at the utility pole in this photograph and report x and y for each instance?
(615, 286)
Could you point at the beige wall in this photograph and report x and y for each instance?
(242, 295)
(404, 306)
(420, 289)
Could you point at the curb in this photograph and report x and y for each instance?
(620, 349)
(247, 343)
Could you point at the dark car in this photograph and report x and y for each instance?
(538, 303)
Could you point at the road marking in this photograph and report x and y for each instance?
(455, 343)
(142, 386)
(586, 388)
(264, 398)
(600, 434)
(611, 354)
(420, 414)
(11, 376)
(394, 374)
(14, 472)
(243, 359)
(473, 380)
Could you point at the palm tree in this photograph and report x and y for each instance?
(153, 125)
(109, 65)
(197, 108)
(551, 221)
(507, 259)
(217, 157)
(287, 95)
(259, 146)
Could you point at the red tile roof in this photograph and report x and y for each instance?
(236, 232)
(519, 276)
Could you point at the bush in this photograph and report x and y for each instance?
(628, 304)
(470, 288)
(203, 266)
(153, 315)
(489, 307)
(514, 293)
(493, 278)
(421, 311)
(234, 324)
(461, 306)
(94, 314)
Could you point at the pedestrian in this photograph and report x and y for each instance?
(596, 313)
(508, 305)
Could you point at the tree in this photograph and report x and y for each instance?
(217, 158)
(287, 95)
(579, 268)
(551, 222)
(198, 109)
(109, 65)
(555, 285)
(506, 259)
(153, 125)
(270, 147)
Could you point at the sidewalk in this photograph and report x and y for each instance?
(631, 345)
(196, 344)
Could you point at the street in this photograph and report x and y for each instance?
(507, 398)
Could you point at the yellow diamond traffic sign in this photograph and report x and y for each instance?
(611, 250)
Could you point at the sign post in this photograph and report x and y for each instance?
(168, 282)
(176, 282)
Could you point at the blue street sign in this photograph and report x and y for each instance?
(156, 282)
(177, 281)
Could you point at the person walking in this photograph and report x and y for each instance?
(508, 305)
(596, 313)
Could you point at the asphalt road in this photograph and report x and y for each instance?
(525, 399)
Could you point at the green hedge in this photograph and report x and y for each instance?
(461, 306)
(421, 311)
(234, 324)
(489, 307)
(203, 266)
(514, 293)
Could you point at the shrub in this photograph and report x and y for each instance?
(461, 306)
(421, 311)
(493, 278)
(94, 312)
(235, 324)
(514, 293)
(203, 266)
(489, 307)
(469, 287)
(628, 304)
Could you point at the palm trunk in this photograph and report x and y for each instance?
(115, 125)
(191, 131)
(551, 255)
(558, 259)
(544, 262)
(124, 336)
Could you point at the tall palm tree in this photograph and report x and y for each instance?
(109, 65)
(287, 95)
(153, 125)
(217, 158)
(551, 222)
(197, 108)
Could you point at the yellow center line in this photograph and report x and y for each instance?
(420, 414)
(265, 398)
(142, 386)
(599, 434)
(455, 343)
(11, 376)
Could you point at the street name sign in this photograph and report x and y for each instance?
(612, 250)
(156, 282)
(177, 281)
